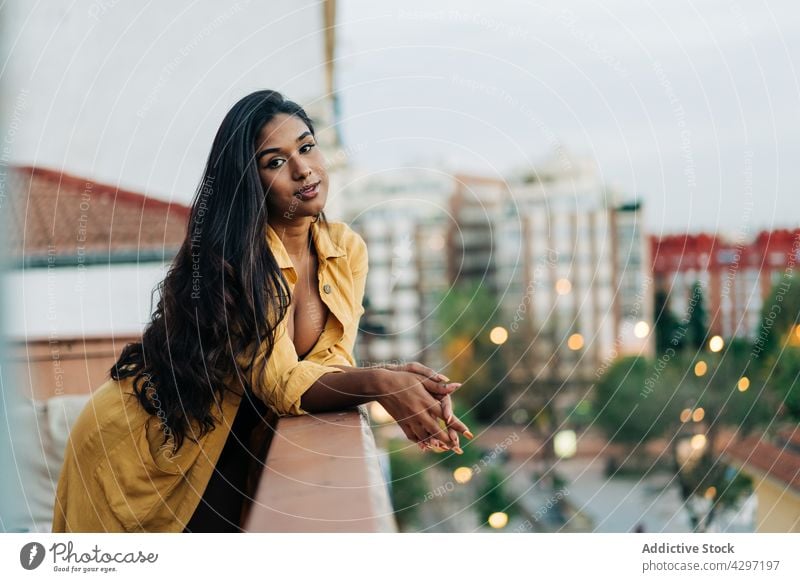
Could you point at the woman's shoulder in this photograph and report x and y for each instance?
(343, 235)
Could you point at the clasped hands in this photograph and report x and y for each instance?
(418, 398)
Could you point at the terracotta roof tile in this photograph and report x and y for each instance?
(66, 215)
(779, 460)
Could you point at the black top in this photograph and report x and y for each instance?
(220, 509)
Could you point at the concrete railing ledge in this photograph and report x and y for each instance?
(322, 474)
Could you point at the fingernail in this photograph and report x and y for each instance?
(442, 378)
(458, 450)
(469, 435)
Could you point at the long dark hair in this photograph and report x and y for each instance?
(224, 293)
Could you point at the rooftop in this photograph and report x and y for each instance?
(777, 459)
(58, 218)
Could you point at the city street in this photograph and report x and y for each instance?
(594, 503)
(618, 505)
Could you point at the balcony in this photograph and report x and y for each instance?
(320, 473)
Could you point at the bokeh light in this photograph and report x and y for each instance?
(498, 520)
(498, 335)
(575, 341)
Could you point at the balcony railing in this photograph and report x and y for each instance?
(322, 474)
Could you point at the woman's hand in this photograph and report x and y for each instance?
(440, 390)
(407, 398)
(453, 423)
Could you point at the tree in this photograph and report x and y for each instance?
(466, 316)
(697, 319)
(633, 402)
(638, 400)
(407, 486)
(777, 345)
(786, 382)
(666, 324)
(689, 395)
(493, 497)
(719, 399)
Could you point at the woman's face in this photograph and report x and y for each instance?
(292, 169)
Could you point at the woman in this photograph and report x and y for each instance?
(258, 312)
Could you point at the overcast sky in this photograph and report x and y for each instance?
(694, 106)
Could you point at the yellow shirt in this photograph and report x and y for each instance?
(117, 476)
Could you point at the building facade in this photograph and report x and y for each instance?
(567, 263)
(736, 276)
(403, 217)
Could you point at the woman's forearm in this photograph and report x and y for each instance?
(336, 391)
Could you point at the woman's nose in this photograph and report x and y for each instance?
(302, 171)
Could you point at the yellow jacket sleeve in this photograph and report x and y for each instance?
(285, 378)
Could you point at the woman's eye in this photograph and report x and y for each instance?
(306, 147)
(275, 163)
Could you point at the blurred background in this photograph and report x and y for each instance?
(587, 212)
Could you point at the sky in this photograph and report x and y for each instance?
(693, 107)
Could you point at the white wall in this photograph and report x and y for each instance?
(66, 302)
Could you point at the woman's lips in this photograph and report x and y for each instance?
(309, 193)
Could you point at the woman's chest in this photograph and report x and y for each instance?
(308, 312)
